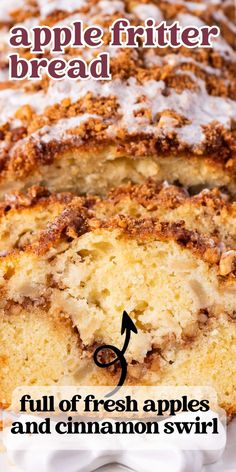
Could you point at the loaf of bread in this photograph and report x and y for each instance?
(89, 226)
(166, 258)
(167, 113)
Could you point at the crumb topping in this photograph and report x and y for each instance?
(128, 207)
(75, 221)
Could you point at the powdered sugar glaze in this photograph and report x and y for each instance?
(145, 106)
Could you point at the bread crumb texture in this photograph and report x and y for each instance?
(167, 113)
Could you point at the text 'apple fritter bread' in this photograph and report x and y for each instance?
(165, 257)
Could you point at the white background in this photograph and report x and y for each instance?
(226, 464)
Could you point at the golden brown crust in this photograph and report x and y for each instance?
(149, 229)
(150, 195)
(35, 195)
(78, 215)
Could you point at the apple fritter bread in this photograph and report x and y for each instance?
(166, 113)
(165, 257)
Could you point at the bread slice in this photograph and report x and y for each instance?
(166, 113)
(24, 214)
(157, 253)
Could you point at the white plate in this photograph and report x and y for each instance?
(226, 464)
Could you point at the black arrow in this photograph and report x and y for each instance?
(126, 327)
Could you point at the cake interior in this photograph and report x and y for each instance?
(58, 306)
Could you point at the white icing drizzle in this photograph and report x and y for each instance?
(7, 7)
(106, 7)
(178, 59)
(186, 19)
(151, 59)
(3, 38)
(195, 6)
(221, 17)
(11, 100)
(3, 75)
(198, 107)
(192, 5)
(5, 48)
(147, 10)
